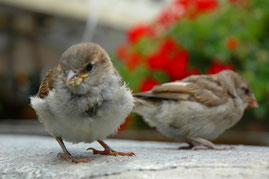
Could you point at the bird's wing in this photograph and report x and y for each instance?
(47, 83)
(205, 90)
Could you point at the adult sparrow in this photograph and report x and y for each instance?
(198, 108)
(83, 99)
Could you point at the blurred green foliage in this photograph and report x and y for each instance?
(205, 38)
(234, 33)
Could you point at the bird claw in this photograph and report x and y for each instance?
(109, 151)
(200, 147)
(71, 159)
(185, 148)
(204, 147)
(223, 148)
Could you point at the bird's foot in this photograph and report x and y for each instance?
(109, 151)
(189, 147)
(206, 144)
(185, 148)
(222, 148)
(72, 159)
(213, 147)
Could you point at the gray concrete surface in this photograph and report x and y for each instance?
(35, 157)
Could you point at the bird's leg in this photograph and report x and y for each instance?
(66, 155)
(190, 146)
(206, 143)
(108, 150)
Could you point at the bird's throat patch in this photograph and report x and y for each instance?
(91, 111)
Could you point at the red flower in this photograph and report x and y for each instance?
(206, 5)
(177, 66)
(138, 32)
(159, 59)
(181, 8)
(194, 71)
(133, 60)
(231, 43)
(171, 59)
(171, 14)
(164, 18)
(122, 51)
(169, 45)
(125, 125)
(184, 3)
(216, 67)
(147, 84)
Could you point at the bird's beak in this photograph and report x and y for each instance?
(70, 76)
(252, 102)
(75, 79)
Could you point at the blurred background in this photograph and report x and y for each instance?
(149, 41)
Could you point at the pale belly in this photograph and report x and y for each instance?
(179, 120)
(65, 119)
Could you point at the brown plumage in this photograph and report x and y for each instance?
(206, 91)
(76, 99)
(47, 83)
(197, 108)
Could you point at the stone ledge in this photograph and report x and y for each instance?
(35, 157)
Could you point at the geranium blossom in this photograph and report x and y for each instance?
(147, 84)
(218, 66)
(138, 32)
(231, 43)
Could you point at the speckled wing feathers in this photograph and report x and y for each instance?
(205, 90)
(47, 83)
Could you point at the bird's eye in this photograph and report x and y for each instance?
(246, 91)
(89, 67)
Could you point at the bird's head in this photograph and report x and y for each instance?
(85, 66)
(238, 85)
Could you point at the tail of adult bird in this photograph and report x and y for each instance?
(145, 107)
(138, 103)
(141, 103)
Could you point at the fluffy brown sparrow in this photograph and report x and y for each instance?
(198, 108)
(83, 99)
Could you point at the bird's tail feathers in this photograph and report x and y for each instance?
(140, 101)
